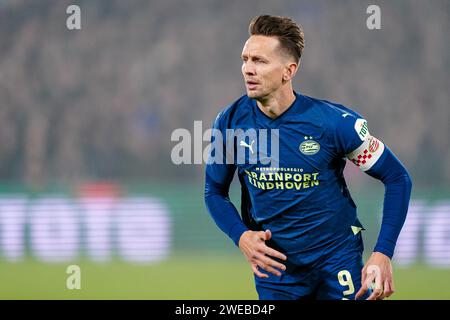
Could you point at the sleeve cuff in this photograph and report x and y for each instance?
(386, 251)
(236, 232)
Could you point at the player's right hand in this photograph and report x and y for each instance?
(254, 248)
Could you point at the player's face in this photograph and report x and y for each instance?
(263, 66)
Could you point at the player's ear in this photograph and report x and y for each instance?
(290, 71)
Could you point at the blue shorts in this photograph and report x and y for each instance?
(336, 276)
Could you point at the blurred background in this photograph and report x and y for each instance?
(87, 116)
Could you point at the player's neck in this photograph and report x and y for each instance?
(276, 104)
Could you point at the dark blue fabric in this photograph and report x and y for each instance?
(320, 280)
(398, 187)
(304, 199)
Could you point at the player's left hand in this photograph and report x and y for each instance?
(377, 269)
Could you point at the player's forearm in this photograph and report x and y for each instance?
(395, 208)
(396, 200)
(223, 212)
(225, 216)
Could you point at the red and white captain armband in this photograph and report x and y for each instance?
(368, 153)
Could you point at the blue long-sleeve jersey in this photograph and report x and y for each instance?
(292, 176)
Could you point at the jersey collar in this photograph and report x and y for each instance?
(294, 109)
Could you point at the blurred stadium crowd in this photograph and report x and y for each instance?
(101, 102)
(86, 118)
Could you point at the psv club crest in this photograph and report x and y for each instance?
(309, 147)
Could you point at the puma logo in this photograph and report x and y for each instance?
(246, 145)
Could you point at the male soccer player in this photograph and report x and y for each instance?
(299, 229)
